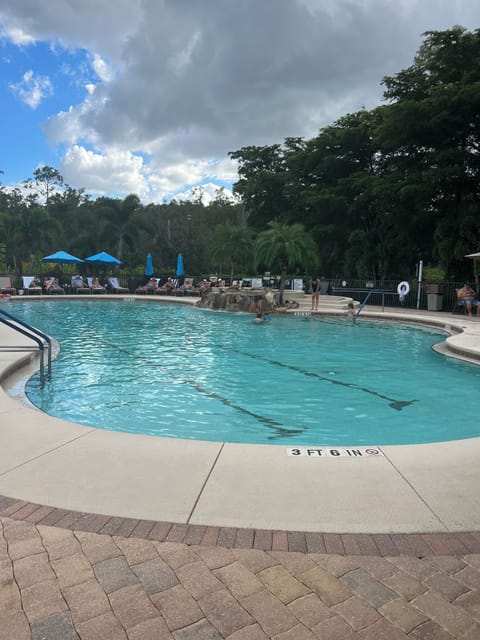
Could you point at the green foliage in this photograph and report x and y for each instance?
(434, 274)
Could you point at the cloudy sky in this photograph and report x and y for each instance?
(149, 96)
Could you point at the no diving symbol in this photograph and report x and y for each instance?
(372, 452)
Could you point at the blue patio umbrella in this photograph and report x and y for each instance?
(180, 269)
(149, 265)
(62, 257)
(103, 258)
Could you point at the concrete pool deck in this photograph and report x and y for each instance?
(422, 488)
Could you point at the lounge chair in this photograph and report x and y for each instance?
(116, 288)
(6, 286)
(31, 286)
(95, 288)
(167, 287)
(52, 287)
(149, 288)
(79, 286)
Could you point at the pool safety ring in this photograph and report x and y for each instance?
(403, 290)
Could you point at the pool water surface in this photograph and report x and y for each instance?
(176, 371)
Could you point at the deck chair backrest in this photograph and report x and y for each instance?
(188, 282)
(5, 282)
(114, 283)
(27, 281)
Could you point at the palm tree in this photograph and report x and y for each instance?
(233, 246)
(285, 247)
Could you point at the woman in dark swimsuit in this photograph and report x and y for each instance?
(315, 287)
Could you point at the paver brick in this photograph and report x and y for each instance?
(97, 548)
(152, 629)
(103, 627)
(449, 616)
(201, 630)
(178, 607)
(214, 557)
(155, 575)
(284, 586)
(418, 568)
(298, 632)
(382, 630)
(334, 628)
(310, 610)
(294, 562)
(27, 547)
(356, 612)
(374, 592)
(430, 631)
(470, 602)
(136, 550)
(449, 564)
(252, 632)
(42, 600)
(72, 570)
(32, 569)
(469, 577)
(60, 543)
(326, 586)
(224, 612)
(56, 627)
(270, 613)
(175, 554)
(446, 586)
(9, 598)
(14, 625)
(198, 580)
(131, 605)
(405, 585)
(402, 614)
(337, 565)
(239, 580)
(254, 559)
(86, 600)
(114, 574)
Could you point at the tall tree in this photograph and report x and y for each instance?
(285, 247)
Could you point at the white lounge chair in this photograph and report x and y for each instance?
(30, 286)
(116, 288)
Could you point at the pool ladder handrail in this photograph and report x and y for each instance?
(42, 340)
(366, 299)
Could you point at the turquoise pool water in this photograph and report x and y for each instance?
(172, 370)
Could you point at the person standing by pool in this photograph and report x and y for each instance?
(315, 289)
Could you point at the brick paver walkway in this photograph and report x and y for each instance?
(64, 584)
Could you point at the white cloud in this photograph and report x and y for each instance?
(102, 69)
(184, 83)
(113, 171)
(32, 89)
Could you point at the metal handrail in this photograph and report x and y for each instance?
(367, 297)
(34, 334)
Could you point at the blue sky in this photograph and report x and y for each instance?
(151, 95)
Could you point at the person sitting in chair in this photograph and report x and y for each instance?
(467, 296)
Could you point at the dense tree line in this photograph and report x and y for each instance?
(368, 197)
(379, 190)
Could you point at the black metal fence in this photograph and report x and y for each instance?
(434, 297)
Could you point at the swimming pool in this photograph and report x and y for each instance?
(171, 370)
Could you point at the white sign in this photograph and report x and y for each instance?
(335, 453)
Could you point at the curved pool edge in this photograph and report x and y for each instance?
(50, 466)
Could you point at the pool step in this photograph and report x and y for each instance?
(331, 304)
